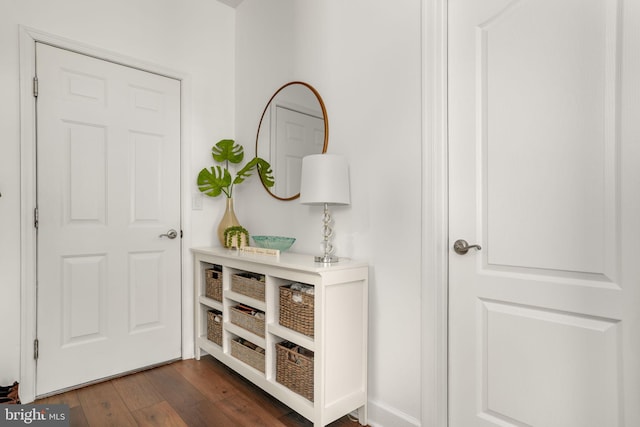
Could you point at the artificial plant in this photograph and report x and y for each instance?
(238, 232)
(218, 179)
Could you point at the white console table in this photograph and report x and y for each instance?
(340, 327)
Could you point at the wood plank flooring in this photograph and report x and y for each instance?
(184, 393)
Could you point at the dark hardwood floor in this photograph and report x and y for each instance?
(183, 393)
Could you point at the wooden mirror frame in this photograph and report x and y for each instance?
(326, 127)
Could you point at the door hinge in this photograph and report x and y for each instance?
(35, 218)
(35, 86)
(36, 348)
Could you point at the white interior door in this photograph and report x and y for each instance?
(108, 166)
(544, 174)
(297, 135)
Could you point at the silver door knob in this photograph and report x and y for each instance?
(172, 234)
(462, 247)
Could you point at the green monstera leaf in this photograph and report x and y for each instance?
(227, 150)
(214, 181)
(218, 179)
(264, 170)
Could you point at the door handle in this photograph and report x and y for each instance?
(172, 234)
(462, 247)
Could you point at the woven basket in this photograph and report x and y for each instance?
(296, 310)
(214, 326)
(248, 353)
(294, 368)
(213, 288)
(247, 321)
(249, 284)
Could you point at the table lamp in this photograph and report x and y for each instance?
(325, 181)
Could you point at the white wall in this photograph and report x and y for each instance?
(192, 37)
(364, 57)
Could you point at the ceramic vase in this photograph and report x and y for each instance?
(228, 220)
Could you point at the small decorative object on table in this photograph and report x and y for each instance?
(255, 250)
(236, 237)
(274, 242)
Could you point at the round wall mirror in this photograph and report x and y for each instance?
(293, 125)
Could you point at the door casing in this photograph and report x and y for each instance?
(28, 311)
(435, 228)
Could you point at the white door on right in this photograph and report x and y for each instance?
(544, 175)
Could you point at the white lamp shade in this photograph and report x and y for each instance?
(325, 179)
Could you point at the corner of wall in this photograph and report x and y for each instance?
(380, 415)
(231, 3)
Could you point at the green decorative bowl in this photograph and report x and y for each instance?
(274, 242)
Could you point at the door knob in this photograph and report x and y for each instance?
(462, 247)
(172, 234)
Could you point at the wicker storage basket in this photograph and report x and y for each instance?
(213, 288)
(294, 368)
(296, 310)
(249, 284)
(214, 326)
(243, 316)
(248, 353)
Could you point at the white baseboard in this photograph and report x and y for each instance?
(380, 415)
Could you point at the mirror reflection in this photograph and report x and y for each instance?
(293, 125)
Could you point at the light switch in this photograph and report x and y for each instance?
(196, 200)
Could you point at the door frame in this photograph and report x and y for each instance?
(28, 168)
(435, 219)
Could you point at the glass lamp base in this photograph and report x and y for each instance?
(326, 259)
